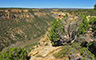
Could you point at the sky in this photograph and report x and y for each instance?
(47, 3)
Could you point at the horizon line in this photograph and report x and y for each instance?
(51, 8)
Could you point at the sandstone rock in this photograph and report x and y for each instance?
(35, 47)
(6, 11)
(25, 10)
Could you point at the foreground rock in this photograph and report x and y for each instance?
(44, 50)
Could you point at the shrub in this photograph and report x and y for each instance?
(72, 51)
(86, 54)
(92, 47)
(95, 7)
(84, 25)
(61, 29)
(92, 22)
(54, 36)
(15, 53)
(84, 44)
(67, 50)
(76, 45)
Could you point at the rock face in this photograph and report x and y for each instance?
(44, 50)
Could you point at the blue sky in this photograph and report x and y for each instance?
(48, 3)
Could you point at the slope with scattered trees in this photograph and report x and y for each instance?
(15, 53)
(71, 35)
(23, 26)
(67, 35)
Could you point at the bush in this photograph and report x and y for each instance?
(15, 53)
(61, 29)
(72, 52)
(84, 25)
(92, 47)
(92, 22)
(67, 50)
(86, 54)
(54, 36)
(95, 7)
(76, 45)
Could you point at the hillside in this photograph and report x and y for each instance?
(81, 49)
(22, 25)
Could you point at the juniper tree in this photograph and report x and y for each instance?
(67, 31)
(95, 6)
(92, 22)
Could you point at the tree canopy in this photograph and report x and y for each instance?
(65, 31)
(95, 6)
(15, 53)
(92, 22)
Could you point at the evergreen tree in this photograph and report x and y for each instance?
(95, 7)
(15, 53)
(84, 25)
(66, 31)
(92, 22)
(54, 36)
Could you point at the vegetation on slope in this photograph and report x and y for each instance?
(95, 7)
(75, 52)
(71, 34)
(92, 22)
(87, 12)
(23, 28)
(15, 53)
(66, 31)
(29, 47)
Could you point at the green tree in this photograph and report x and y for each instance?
(92, 22)
(66, 31)
(54, 36)
(86, 54)
(15, 53)
(95, 6)
(84, 25)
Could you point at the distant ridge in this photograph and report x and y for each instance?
(40, 8)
